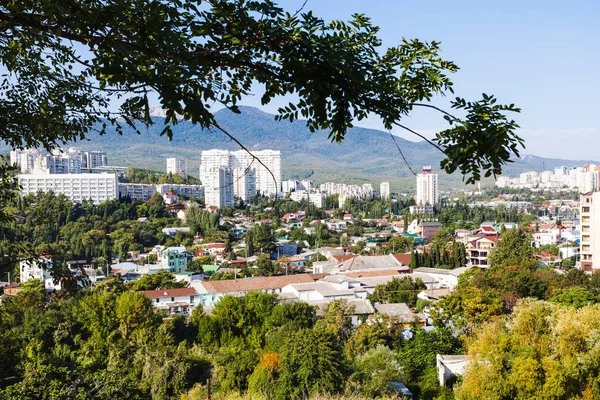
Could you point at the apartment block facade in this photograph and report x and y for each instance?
(76, 187)
(177, 165)
(590, 232)
(427, 187)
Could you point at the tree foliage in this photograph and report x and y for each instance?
(73, 64)
(541, 351)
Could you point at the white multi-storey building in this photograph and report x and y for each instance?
(218, 186)
(590, 232)
(36, 269)
(244, 183)
(249, 176)
(177, 165)
(268, 176)
(96, 159)
(586, 179)
(76, 187)
(73, 161)
(315, 197)
(427, 187)
(384, 190)
(139, 191)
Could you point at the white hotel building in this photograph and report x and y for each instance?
(76, 187)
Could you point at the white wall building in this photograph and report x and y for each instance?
(590, 232)
(76, 187)
(265, 183)
(36, 269)
(177, 165)
(315, 197)
(427, 187)
(218, 186)
(249, 176)
(384, 190)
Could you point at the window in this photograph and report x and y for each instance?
(172, 298)
(157, 300)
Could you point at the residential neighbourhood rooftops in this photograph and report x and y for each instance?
(258, 283)
(161, 293)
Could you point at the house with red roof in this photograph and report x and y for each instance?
(479, 248)
(173, 301)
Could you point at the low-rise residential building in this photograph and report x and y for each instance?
(371, 263)
(39, 268)
(210, 292)
(181, 300)
(426, 230)
(175, 259)
(478, 249)
(451, 367)
(546, 238)
(401, 313)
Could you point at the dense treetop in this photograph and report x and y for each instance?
(71, 64)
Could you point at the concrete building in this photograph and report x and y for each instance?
(177, 165)
(196, 191)
(384, 190)
(139, 191)
(218, 186)
(36, 269)
(427, 187)
(175, 259)
(248, 176)
(76, 187)
(315, 197)
(96, 159)
(265, 183)
(590, 232)
(244, 183)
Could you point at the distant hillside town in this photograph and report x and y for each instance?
(585, 178)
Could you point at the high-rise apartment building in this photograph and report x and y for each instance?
(73, 161)
(384, 190)
(248, 175)
(427, 187)
(590, 231)
(96, 159)
(268, 176)
(218, 186)
(177, 165)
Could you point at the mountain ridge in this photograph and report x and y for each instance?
(365, 155)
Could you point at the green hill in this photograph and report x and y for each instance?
(366, 155)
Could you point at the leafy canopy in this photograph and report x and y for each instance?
(78, 65)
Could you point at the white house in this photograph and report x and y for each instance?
(449, 367)
(173, 301)
(37, 269)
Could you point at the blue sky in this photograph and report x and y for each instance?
(541, 55)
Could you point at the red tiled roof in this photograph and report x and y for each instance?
(259, 283)
(214, 246)
(157, 294)
(404, 258)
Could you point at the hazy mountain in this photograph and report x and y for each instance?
(366, 155)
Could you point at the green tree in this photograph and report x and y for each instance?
(159, 280)
(513, 248)
(215, 54)
(312, 362)
(398, 290)
(374, 371)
